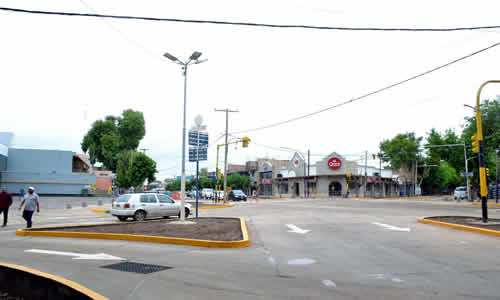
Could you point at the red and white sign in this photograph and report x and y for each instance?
(334, 163)
(267, 181)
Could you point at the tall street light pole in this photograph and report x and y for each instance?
(193, 59)
(496, 193)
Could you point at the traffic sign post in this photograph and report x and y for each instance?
(199, 141)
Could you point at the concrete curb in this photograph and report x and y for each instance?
(245, 242)
(460, 227)
(100, 211)
(213, 207)
(68, 283)
(489, 204)
(396, 198)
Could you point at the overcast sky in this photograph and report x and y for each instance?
(59, 74)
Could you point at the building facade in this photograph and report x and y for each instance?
(49, 171)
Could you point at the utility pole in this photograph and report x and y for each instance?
(380, 175)
(496, 194)
(366, 174)
(416, 175)
(227, 111)
(308, 169)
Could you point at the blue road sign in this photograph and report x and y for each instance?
(193, 138)
(193, 152)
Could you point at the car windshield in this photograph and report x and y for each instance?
(238, 192)
(123, 198)
(461, 188)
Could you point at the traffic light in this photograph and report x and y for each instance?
(245, 141)
(219, 174)
(488, 172)
(475, 143)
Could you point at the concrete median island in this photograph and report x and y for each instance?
(466, 223)
(205, 232)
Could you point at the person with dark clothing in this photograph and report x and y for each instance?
(5, 203)
(30, 202)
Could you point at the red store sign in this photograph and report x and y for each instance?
(334, 163)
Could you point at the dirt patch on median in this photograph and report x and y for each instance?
(493, 224)
(214, 229)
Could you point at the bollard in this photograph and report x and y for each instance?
(84, 204)
(68, 206)
(99, 202)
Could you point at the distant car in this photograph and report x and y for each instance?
(207, 193)
(460, 193)
(146, 205)
(237, 195)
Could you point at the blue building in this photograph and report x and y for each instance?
(48, 171)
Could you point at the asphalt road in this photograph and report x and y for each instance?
(355, 249)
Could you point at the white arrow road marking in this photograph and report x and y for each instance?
(328, 283)
(390, 227)
(97, 256)
(301, 261)
(296, 229)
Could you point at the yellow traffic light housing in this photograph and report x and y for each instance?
(219, 174)
(245, 140)
(487, 172)
(475, 143)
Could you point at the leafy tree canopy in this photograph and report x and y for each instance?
(112, 135)
(402, 150)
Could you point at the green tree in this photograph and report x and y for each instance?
(142, 168)
(123, 164)
(447, 176)
(173, 186)
(236, 181)
(402, 150)
(490, 117)
(106, 138)
(134, 168)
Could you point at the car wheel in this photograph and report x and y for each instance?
(166, 217)
(122, 219)
(140, 215)
(186, 212)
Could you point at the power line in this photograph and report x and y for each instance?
(370, 93)
(215, 22)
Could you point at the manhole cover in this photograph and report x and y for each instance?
(136, 267)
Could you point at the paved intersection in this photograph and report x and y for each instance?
(346, 254)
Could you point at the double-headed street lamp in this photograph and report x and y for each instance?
(193, 59)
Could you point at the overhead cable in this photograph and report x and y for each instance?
(251, 24)
(368, 94)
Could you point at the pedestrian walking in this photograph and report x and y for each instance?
(5, 203)
(30, 202)
(254, 195)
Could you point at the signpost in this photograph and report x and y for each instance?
(198, 142)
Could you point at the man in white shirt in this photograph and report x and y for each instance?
(30, 202)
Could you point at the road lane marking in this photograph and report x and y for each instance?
(296, 229)
(97, 256)
(301, 261)
(328, 283)
(397, 280)
(390, 227)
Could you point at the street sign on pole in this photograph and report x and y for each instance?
(193, 138)
(194, 152)
(469, 174)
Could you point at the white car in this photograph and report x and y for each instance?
(460, 193)
(207, 193)
(146, 205)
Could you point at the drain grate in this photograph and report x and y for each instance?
(136, 267)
